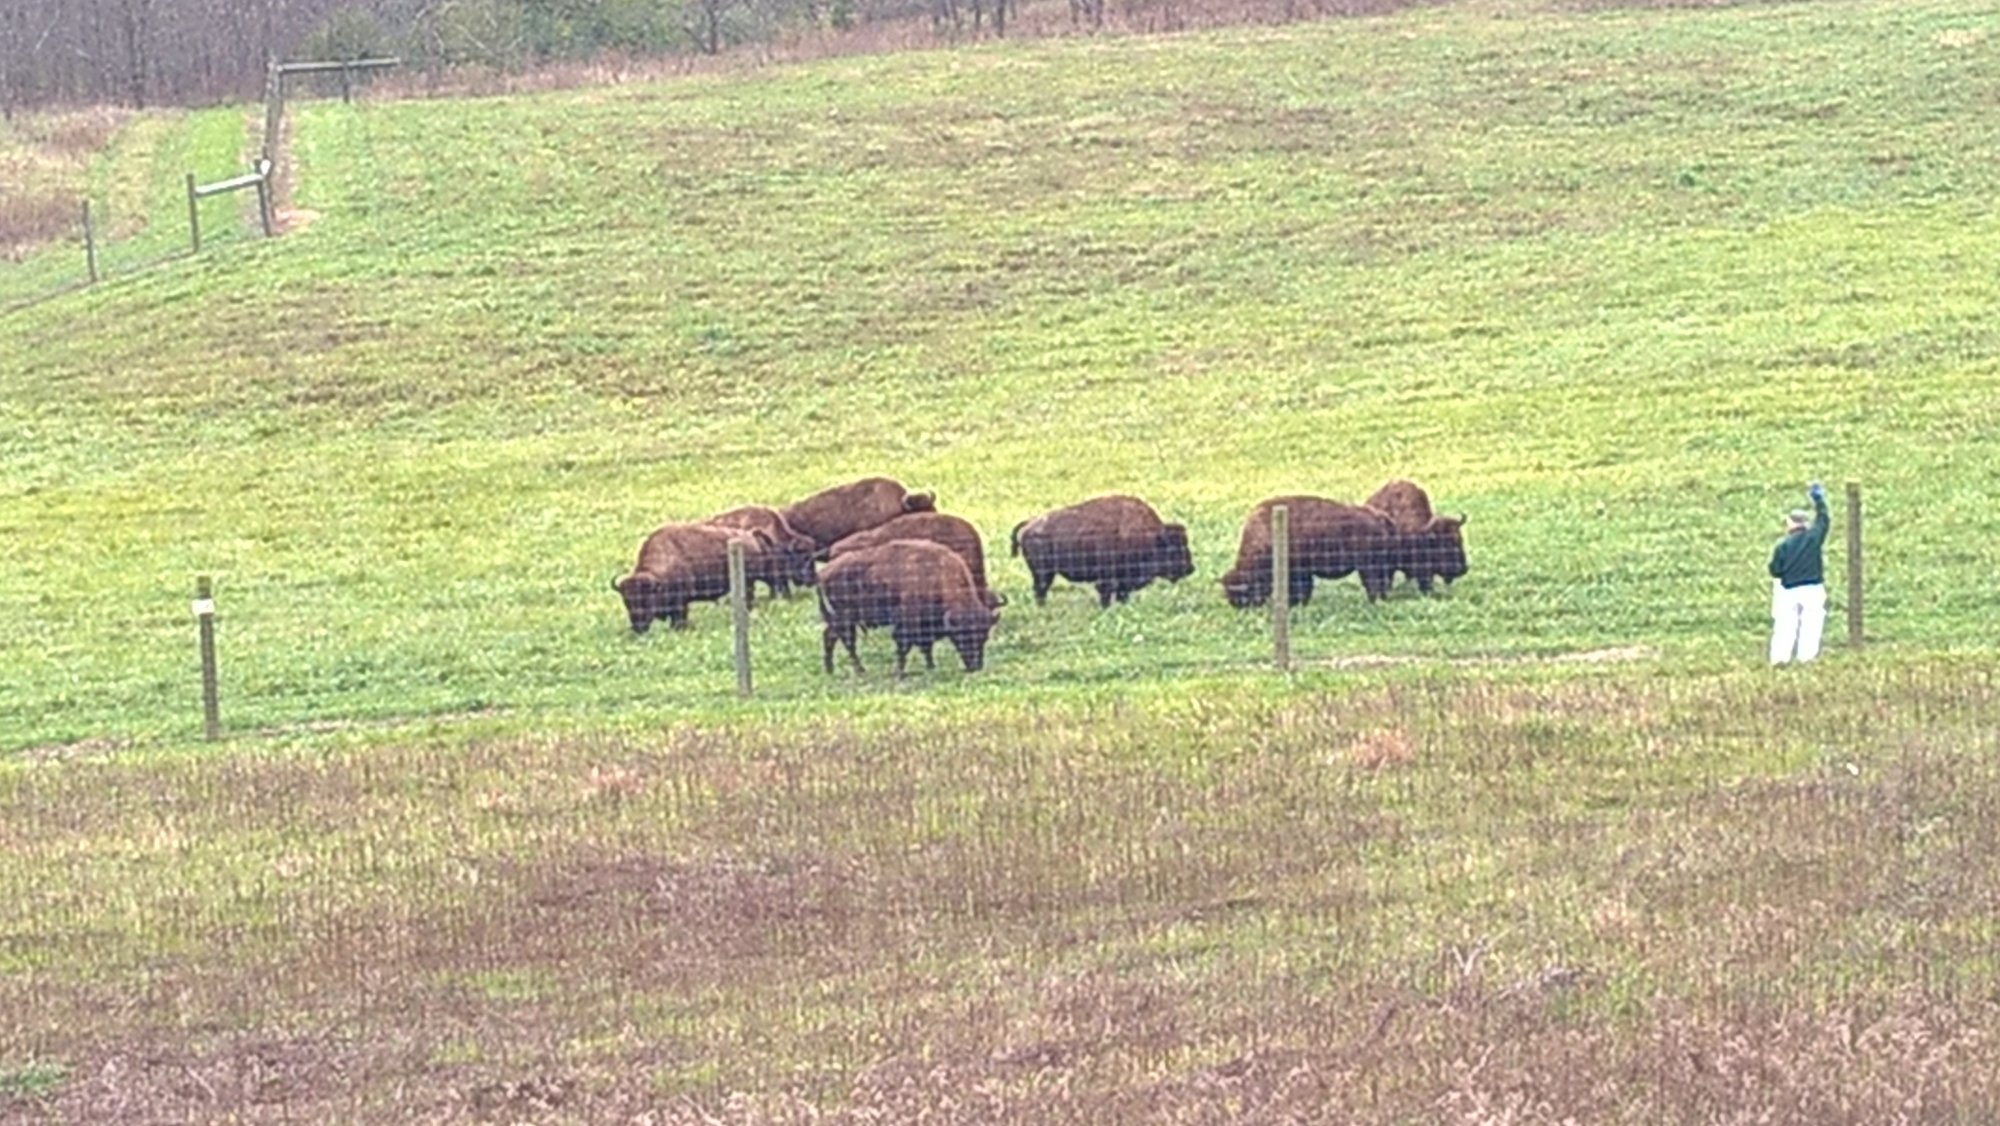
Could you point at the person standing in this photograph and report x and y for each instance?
(1798, 583)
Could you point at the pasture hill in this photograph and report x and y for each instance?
(1613, 282)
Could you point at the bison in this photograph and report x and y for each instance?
(833, 515)
(1428, 547)
(935, 527)
(1115, 542)
(684, 563)
(1328, 540)
(922, 590)
(792, 551)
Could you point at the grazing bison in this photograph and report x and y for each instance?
(1328, 540)
(831, 516)
(936, 527)
(922, 590)
(684, 563)
(1117, 543)
(792, 549)
(1428, 546)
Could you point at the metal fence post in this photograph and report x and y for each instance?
(194, 215)
(89, 243)
(739, 607)
(1281, 586)
(204, 616)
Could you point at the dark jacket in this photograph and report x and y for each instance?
(1796, 560)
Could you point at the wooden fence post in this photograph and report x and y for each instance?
(89, 243)
(194, 215)
(1281, 586)
(264, 194)
(204, 616)
(274, 109)
(1854, 570)
(739, 609)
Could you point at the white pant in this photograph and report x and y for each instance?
(1798, 616)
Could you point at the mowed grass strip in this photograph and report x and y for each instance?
(1610, 897)
(1613, 284)
(132, 167)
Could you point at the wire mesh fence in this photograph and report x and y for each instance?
(871, 585)
(101, 244)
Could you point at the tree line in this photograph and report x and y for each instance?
(153, 52)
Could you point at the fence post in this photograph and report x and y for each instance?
(346, 84)
(274, 109)
(264, 195)
(204, 616)
(89, 243)
(1854, 570)
(739, 609)
(194, 215)
(1281, 585)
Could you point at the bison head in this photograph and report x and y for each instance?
(1172, 560)
(798, 551)
(968, 629)
(1444, 547)
(644, 599)
(1244, 591)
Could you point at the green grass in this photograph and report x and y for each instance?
(33, 1081)
(1613, 284)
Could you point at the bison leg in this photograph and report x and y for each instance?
(1300, 589)
(1105, 593)
(1376, 583)
(930, 661)
(1424, 584)
(841, 635)
(902, 656)
(676, 616)
(1042, 584)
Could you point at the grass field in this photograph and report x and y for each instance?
(1614, 283)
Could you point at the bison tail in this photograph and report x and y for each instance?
(1014, 541)
(920, 502)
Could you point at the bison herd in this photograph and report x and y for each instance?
(881, 555)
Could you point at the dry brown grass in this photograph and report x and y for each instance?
(1662, 901)
(44, 159)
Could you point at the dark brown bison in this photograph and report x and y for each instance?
(1428, 546)
(1328, 540)
(792, 549)
(831, 516)
(683, 563)
(1117, 543)
(935, 527)
(923, 591)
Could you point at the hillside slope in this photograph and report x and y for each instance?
(1614, 284)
